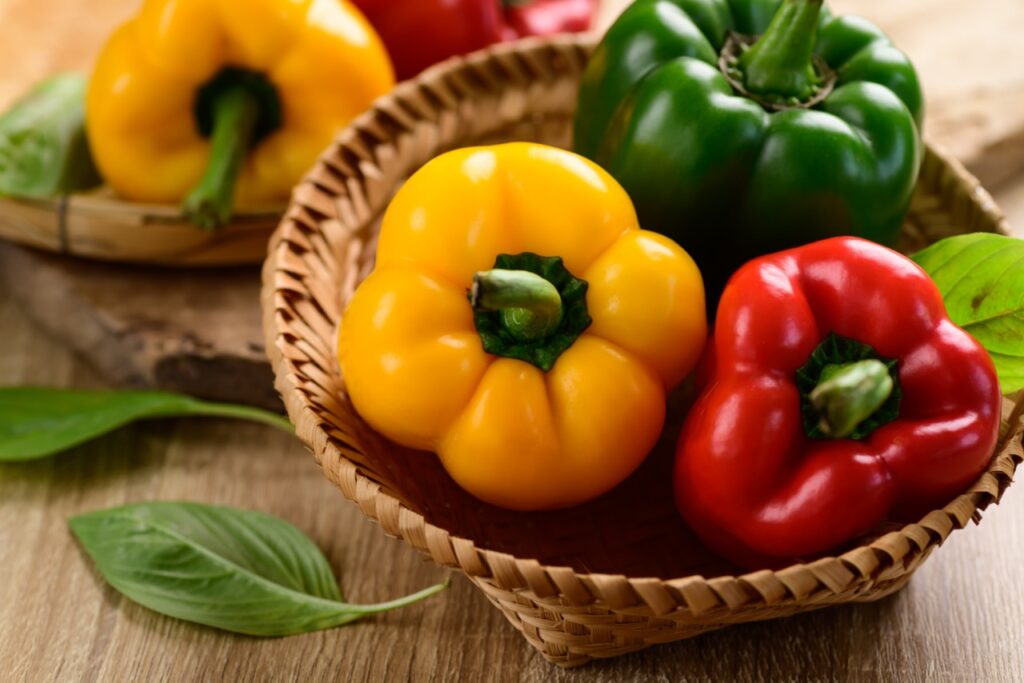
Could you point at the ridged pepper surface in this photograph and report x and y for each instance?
(521, 325)
(220, 102)
(837, 394)
(738, 149)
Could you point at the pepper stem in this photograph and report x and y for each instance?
(530, 306)
(235, 114)
(850, 393)
(780, 63)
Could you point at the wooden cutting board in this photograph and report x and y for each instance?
(194, 331)
(199, 331)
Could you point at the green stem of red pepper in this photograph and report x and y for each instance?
(850, 393)
(236, 112)
(530, 306)
(780, 65)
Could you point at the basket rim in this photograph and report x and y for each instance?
(872, 564)
(102, 228)
(94, 202)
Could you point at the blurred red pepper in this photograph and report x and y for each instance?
(838, 394)
(547, 17)
(419, 33)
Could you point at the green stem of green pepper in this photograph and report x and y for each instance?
(530, 306)
(779, 65)
(850, 393)
(236, 112)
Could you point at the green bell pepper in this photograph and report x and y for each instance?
(741, 127)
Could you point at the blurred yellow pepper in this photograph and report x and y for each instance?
(520, 324)
(228, 100)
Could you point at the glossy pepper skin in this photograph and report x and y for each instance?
(718, 172)
(420, 33)
(321, 57)
(749, 480)
(507, 431)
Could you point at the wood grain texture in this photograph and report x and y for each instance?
(959, 620)
(193, 331)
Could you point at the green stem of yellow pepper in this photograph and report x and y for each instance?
(530, 306)
(780, 63)
(850, 393)
(236, 112)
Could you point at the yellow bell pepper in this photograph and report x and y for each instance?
(521, 325)
(229, 100)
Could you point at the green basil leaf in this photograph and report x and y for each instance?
(981, 277)
(44, 150)
(236, 570)
(37, 422)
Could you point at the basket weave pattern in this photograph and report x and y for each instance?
(577, 584)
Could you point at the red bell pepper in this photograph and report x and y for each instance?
(838, 394)
(419, 33)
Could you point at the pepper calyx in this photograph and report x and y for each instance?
(844, 397)
(518, 317)
(848, 394)
(235, 109)
(259, 87)
(780, 62)
(738, 44)
(530, 306)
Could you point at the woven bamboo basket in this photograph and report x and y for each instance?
(622, 572)
(100, 226)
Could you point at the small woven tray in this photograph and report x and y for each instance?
(622, 572)
(102, 227)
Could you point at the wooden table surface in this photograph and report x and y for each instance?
(961, 618)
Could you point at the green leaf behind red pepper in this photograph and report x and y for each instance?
(981, 277)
